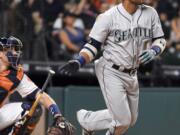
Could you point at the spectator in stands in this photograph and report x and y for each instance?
(152, 3)
(172, 55)
(24, 10)
(98, 3)
(167, 6)
(176, 28)
(166, 25)
(1, 15)
(46, 11)
(113, 2)
(104, 6)
(89, 9)
(71, 37)
(8, 16)
(44, 15)
(88, 12)
(178, 52)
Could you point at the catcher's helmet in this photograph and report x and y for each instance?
(12, 44)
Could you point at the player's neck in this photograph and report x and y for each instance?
(130, 7)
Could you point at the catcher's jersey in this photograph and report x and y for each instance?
(15, 80)
(125, 36)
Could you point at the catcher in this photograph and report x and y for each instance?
(12, 78)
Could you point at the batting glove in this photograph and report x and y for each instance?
(147, 56)
(70, 68)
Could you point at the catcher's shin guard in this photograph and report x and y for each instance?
(30, 126)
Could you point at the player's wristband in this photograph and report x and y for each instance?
(157, 49)
(54, 109)
(81, 60)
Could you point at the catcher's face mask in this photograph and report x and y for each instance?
(13, 49)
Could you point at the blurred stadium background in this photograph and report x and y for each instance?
(53, 31)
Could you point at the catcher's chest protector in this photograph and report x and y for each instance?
(9, 80)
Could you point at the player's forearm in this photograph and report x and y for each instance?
(46, 100)
(86, 57)
(159, 45)
(89, 51)
(49, 104)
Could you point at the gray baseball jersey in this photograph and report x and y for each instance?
(124, 37)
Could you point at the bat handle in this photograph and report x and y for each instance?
(31, 111)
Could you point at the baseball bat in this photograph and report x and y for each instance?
(31, 111)
(20, 130)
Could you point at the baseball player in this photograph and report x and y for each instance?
(12, 78)
(131, 35)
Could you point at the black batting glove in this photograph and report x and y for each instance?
(70, 68)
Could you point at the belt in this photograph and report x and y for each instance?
(128, 71)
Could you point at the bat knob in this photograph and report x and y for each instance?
(51, 71)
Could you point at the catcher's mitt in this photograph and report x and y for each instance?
(61, 126)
